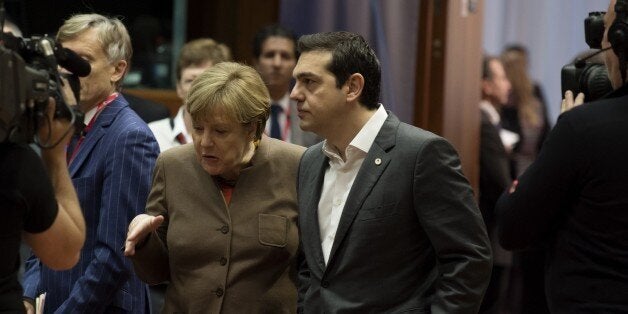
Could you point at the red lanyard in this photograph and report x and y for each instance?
(90, 125)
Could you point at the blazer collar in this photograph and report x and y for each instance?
(99, 129)
(314, 173)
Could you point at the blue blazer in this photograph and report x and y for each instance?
(112, 173)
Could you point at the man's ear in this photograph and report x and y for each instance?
(119, 68)
(355, 85)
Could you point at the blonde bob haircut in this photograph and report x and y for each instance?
(113, 36)
(235, 90)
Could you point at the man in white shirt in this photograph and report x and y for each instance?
(196, 56)
(275, 54)
(388, 221)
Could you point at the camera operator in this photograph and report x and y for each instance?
(39, 206)
(573, 200)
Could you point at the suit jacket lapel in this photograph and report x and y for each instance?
(315, 171)
(104, 119)
(375, 162)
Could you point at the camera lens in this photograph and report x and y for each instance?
(594, 81)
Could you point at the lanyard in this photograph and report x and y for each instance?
(90, 125)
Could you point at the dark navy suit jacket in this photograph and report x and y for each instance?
(112, 174)
(410, 237)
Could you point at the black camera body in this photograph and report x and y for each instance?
(588, 78)
(586, 75)
(29, 75)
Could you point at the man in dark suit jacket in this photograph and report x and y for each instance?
(110, 166)
(572, 200)
(388, 221)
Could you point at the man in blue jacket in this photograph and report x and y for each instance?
(110, 165)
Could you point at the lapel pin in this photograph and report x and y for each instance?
(378, 161)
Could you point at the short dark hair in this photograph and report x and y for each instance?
(350, 54)
(274, 30)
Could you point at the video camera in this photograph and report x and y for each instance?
(585, 74)
(29, 75)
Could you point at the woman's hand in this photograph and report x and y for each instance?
(139, 228)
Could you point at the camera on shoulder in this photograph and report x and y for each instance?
(29, 75)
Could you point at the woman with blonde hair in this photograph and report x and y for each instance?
(220, 222)
(525, 113)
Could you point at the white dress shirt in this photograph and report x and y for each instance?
(340, 175)
(509, 138)
(166, 134)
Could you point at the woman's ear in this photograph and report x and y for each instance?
(355, 85)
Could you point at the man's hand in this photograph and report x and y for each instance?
(569, 102)
(139, 228)
(29, 308)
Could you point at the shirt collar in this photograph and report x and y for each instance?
(284, 102)
(490, 110)
(365, 137)
(178, 126)
(89, 115)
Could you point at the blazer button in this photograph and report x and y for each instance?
(219, 292)
(224, 229)
(325, 284)
(223, 261)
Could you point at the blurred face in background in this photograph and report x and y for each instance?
(610, 58)
(497, 88)
(187, 77)
(276, 62)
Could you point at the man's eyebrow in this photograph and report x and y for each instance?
(302, 75)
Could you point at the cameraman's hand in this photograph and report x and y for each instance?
(54, 130)
(569, 102)
(139, 228)
(67, 93)
(29, 308)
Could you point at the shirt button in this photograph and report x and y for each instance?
(325, 284)
(224, 229)
(223, 261)
(219, 292)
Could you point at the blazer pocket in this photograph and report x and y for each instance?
(377, 212)
(273, 230)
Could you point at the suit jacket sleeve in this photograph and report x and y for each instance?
(30, 281)
(151, 258)
(530, 213)
(448, 212)
(126, 182)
